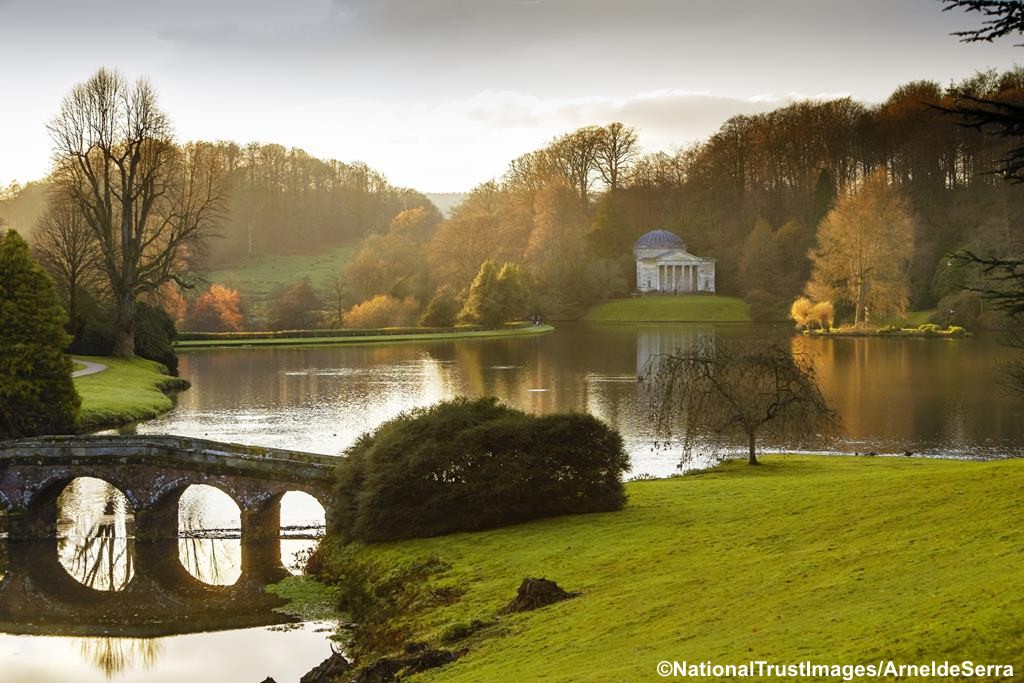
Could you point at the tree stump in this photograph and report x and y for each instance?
(537, 593)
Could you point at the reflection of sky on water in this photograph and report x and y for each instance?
(95, 548)
(95, 522)
(221, 657)
(92, 522)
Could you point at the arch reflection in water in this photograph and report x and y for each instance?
(209, 523)
(303, 520)
(94, 522)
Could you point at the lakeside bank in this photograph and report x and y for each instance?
(128, 390)
(695, 308)
(245, 340)
(914, 559)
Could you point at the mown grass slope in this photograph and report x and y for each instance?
(127, 391)
(832, 559)
(256, 277)
(676, 308)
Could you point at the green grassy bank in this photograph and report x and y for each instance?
(831, 559)
(127, 391)
(677, 308)
(924, 331)
(361, 339)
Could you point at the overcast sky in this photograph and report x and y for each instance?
(440, 94)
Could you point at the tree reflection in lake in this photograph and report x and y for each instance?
(115, 656)
(210, 525)
(93, 522)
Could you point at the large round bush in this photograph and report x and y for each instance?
(465, 464)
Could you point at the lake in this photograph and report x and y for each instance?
(935, 397)
(929, 396)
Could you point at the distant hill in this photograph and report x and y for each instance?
(22, 207)
(446, 201)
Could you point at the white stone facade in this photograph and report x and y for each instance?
(664, 265)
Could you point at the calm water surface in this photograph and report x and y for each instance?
(935, 397)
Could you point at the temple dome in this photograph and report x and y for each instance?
(660, 239)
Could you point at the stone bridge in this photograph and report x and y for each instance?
(153, 472)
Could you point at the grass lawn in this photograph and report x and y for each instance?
(831, 559)
(911, 319)
(372, 339)
(677, 308)
(256, 277)
(127, 391)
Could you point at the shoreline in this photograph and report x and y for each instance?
(126, 391)
(196, 344)
(813, 554)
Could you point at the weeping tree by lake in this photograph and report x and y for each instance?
(734, 392)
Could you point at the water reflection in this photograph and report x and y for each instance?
(116, 656)
(925, 395)
(93, 521)
(207, 518)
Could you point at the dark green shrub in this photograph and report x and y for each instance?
(37, 395)
(154, 336)
(154, 333)
(465, 464)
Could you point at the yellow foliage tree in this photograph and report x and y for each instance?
(823, 314)
(800, 312)
(864, 249)
(382, 311)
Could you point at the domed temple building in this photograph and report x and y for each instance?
(664, 265)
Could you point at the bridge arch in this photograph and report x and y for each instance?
(40, 502)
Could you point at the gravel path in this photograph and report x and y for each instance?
(89, 369)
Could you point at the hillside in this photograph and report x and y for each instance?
(256, 277)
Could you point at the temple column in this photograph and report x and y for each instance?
(696, 277)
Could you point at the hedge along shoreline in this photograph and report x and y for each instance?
(200, 340)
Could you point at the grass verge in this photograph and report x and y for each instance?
(127, 391)
(372, 339)
(678, 308)
(829, 559)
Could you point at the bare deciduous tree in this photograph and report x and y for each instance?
(575, 157)
(616, 152)
(64, 244)
(149, 203)
(727, 392)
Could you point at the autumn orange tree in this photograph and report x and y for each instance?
(218, 309)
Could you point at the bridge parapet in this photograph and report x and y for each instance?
(152, 471)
